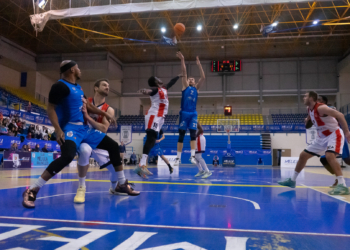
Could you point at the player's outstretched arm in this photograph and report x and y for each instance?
(147, 91)
(103, 127)
(201, 72)
(324, 110)
(183, 69)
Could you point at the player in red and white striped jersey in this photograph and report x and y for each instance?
(330, 139)
(119, 185)
(154, 119)
(203, 170)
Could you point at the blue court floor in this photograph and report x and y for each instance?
(236, 208)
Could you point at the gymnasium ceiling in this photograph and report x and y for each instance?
(217, 40)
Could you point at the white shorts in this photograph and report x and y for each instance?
(332, 143)
(200, 144)
(154, 122)
(86, 152)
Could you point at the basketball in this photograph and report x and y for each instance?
(179, 29)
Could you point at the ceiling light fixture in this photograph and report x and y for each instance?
(274, 24)
(315, 22)
(163, 30)
(235, 26)
(199, 27)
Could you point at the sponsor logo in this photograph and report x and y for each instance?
(173, 151)
(253, 152)
(213, 151)
(266, 152)
(70, 133)
(187, 151)
(1, 141)
(330, 147)
(27, 159)
(290, 161)
(239, 152)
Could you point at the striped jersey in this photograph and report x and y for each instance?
(325, 125)
(104, 107)
(159, 103)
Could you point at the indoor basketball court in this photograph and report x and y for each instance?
(257, 68)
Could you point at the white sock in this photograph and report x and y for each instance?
(38, 184)
(204, 165)
(199, 166)
(82, 182)
(179, 155)
(121, 177)
(143, 160)
(295, 175)
(112, 175)
(341, 180)
(193, 152)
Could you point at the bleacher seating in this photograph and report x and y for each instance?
(288, 119)
(12, 97)
(245, 119)
(140, 120)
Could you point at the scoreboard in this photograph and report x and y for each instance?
(226, 66)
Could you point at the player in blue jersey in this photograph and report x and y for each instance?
(65, 111)
(345, 154)
(188, 113)
(156, 150)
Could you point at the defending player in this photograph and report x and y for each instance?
(188, 113)
(345, 154)
(203, 170)
(156, 150)
(154, 119)
(66, 101)
(101, 90)
(330, 138)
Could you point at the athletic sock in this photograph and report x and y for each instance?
(121, 177)
(193, 152)
(204, 165)
(143, 160)
(295, 175)
(112, 175)
(341, 180)
(38, 184)
(82, 182)
(179, 155)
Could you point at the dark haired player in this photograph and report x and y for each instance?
(330, 138)
(101, 91)
(154, 119)
(345, 154)
(188, 113)
(65, 111)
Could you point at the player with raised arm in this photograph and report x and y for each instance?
(154, 119)
(330, 138)
(188, 113)
(203, 170)
(101, 91)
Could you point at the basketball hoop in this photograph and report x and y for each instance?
(228, 129)
(39, 20)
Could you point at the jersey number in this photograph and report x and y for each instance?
(155, 125)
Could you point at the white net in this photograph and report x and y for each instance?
(228, 125)
(39, 20)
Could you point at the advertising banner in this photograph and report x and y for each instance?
(126, 134)
(17, 159)
(41, 159)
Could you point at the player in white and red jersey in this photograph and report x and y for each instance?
(154, 119)
(101, 90)
(330, 139)
(203, 170)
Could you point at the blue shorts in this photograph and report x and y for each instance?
(345, 154)
(188, 120)
(156, 150)
(83, 133)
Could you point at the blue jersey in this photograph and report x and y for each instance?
(189, 99)
(69, 108)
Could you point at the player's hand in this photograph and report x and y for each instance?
(110, 119)
(197, 61)
(142, 91)
(347, 136)
(60, 137)
(157, 141)
(180, 55)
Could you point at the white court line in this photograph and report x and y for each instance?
(256, 205)
(175, 227)
(337, 197)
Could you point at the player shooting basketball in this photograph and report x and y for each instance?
(188, 113)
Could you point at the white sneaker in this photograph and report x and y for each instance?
(193, 160)
(200, 173)
(112, 191)
(177, 162)
(206, 175)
